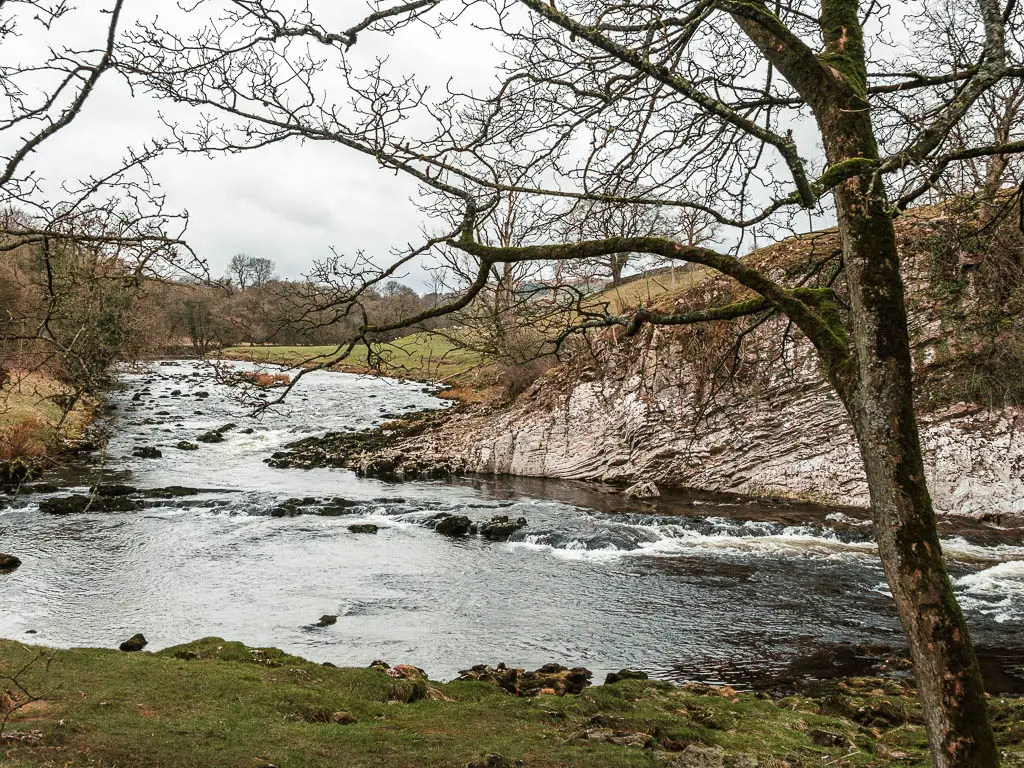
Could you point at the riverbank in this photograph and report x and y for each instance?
(35, 427)
(424, 357)
(217, 703)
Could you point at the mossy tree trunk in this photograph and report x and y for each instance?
(874, 379)
(876, 386)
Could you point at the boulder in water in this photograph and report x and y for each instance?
(500, 527)
(78, 503)
(9, 563)
(454, 525)
(134, 643)
(326, 620)
(147, 452)
(111, 490)
(213, 436)
(172, 492)
(363, 528)
(185, 445)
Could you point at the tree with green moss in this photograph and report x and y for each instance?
(757, 115)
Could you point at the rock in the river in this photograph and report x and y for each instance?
(327, 620)
(172, 492)
(454, 525)
(77, 503)
(624, 674)
(147, 452)
(226, 428)
(645, 489)
(500, 527)
(363, 528)
(8, 563)
(42, 488)
(185, 445)
(134, 643)
(339, 506)
(551, 678)
(213, 436)
(111, 490)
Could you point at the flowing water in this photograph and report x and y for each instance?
(692, 588)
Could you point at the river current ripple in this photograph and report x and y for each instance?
(690, 594)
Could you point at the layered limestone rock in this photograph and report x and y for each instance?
(671, 406)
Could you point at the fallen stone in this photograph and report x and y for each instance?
(645, 489)
(134, 643)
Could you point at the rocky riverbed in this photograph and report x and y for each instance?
(173, 542)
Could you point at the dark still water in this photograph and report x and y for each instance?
(694, 593)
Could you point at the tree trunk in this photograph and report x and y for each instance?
(877, 391)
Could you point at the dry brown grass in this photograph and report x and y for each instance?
(31, 420)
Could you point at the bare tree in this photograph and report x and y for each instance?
(81, 246)
(718, 107)
(261, 271)
(239, 270)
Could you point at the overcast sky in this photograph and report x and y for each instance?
(289, 202)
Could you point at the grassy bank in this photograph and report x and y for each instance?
(215, 703)
(421, 356)
(33, 425)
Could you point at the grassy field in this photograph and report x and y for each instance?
(421, 356)
(214, 703)
(655, 288)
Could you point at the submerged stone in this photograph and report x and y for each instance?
(363, 528)
(9, 563)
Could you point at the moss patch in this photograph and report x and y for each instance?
(219, 703)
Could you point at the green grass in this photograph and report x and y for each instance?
(214, 703)
(421, 356)
(647, 291)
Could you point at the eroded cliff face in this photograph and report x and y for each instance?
(672, 406)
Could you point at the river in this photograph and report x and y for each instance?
(691, 588)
